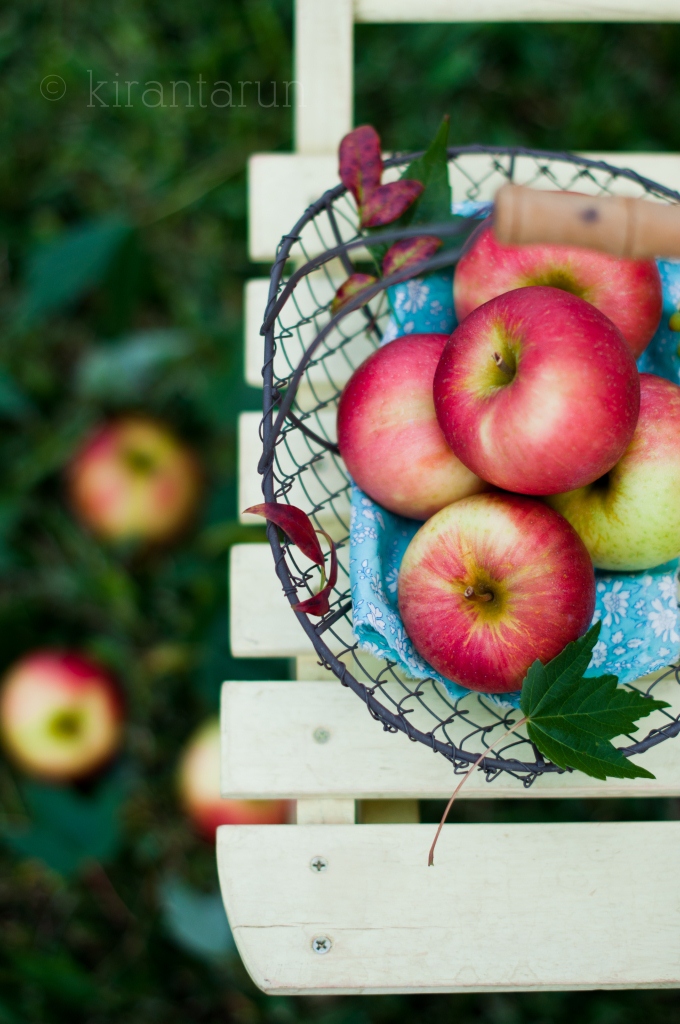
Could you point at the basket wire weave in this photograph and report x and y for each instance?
(308, 357)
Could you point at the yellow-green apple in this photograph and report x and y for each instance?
(388, 433)
(630, 517)
(492, 583)
(199, 789)
(627, 291)
(61, 715)
(134, 480)
(536, 388)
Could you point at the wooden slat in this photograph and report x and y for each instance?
(319, 482)
(282, 186)
(505, 907)
(262, 623)
(320, 381)
(255, 296)
(515, 10)
(324, 60)
(271, 750)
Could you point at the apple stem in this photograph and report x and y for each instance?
(501, 364)
(471, 594)
(430, 859)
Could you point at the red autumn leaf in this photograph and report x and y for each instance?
(388, 202)
(351, 287)
(297, 525)
(408, 251)
(361, 162)
(319, 604)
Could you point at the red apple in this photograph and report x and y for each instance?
(134, 480)
(388, 433)
(630, 518)
(199, 789)
(627, 291)
(492, 583)
(60, 715)
(535, 388)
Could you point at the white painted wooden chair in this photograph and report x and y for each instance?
(343, 902)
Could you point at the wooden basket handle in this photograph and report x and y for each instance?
(620, 225)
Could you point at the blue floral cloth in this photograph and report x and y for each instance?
(639, 616)
(638, 610)
(662, 356)
(421, 306)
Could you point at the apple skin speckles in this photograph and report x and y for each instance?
(527, 557)
(388, 433)
(566, 411)
(631, 519)
(629, 292)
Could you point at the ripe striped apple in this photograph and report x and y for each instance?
(134, 480)
(537, 392)
(630, 518)
(199, 789)
(61, 715)
(388, 433)
(627, 291)
(492, 583)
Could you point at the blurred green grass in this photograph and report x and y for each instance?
(123, 256)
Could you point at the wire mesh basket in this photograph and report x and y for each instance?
(309, 354)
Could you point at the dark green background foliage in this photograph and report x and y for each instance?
(122, 262)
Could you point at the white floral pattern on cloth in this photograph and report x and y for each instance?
(639, 615)
(638, 611)
(421, 306)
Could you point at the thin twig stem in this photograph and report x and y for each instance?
(430, 859)
(471, 594)
(105, 892)
(501, 364)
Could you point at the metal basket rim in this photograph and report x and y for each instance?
(392, 722)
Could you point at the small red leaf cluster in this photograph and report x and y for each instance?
(388, 202)
(299, 529)
(361, 170)
(361, 162)
(409, 251)
(352, 286)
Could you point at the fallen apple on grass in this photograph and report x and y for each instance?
(627, 291)
(135, 481)
(630, 518)
(61, 715)
(492, 583)
(199, 789)
(536, 388)
(388, 433)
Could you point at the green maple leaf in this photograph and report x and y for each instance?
(432, 169)
(434, 204)
(572, 720)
